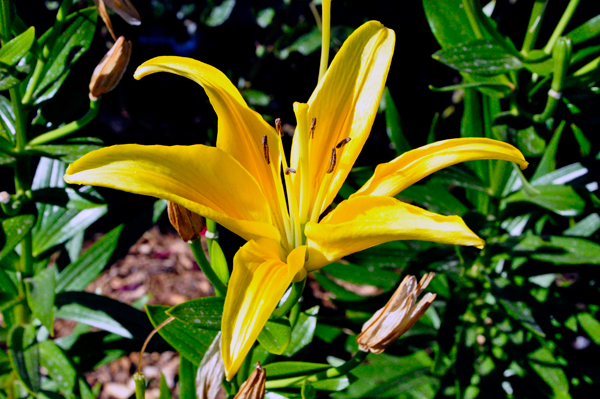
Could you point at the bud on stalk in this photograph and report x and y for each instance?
(397, 316)
(110, 70)
(187, 223)
(125, 9)
(254, 387)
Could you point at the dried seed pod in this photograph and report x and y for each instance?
(187, 223)
(104, 15)
(397, 316)
(211, 372)
(126, 10)
(254, 387)
(110, 70)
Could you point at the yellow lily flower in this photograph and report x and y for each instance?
(246, 185)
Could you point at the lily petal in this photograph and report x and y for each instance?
(391, 178)
(205, 180)
(345, 103)
(240, 129)
(258, 282)
(364, 222)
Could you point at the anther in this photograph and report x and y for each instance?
(278, 127)
(332, 161)
(343, 142)
(313, 126)
(266, 149)
(289, 171)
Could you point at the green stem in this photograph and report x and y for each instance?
(469, 8)
(70, 127)
(196, 246)
(323, 375)
(61, 17)
(562, 60)
(290, 301)
(325, 38)
(535, 22)
(5, 22)
(562, 24)
(140, 385)
(212, 235)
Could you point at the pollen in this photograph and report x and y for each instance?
(289, 171)
(343, 142)
(265, 144)
(333, 160)
(313, 126)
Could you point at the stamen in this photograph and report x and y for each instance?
(313, 126)
(289, 171)
(278, 127)
(343, 142)
(266, 149)
(332, 161)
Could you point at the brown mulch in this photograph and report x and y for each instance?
(161, 267)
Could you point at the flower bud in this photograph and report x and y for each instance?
(187, 223)
(254, 387)
(397, 316)
(104, 15)
(110, 70)
(211, 372)
(125, 9)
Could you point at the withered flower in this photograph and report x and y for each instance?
(397, 316)
(254, 387)
(110, 70)
(104, 15)
(125, 9)
(188, 224)
(211, 372)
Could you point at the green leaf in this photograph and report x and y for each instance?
(103, 312)
(590, 325)
(520, 311)
(280, 370)
(79, 274)
(387, 376)
(435, 198)
(24, 356)
(394, 125)
(308, 391)
(585, 147)
(481, 57)
(187, 379)
(548, 162)
(15, 49)
(275, 336)
(550, 371)
(564, 175)
(303, 331)
(562, 200)
(11, 76)
(40, 296)
(459, 175)
(59, 367)
(158, 209)
(530, 143)
(12, 231)
(219, 14)
(337, 291)
(74, 40)
(305, 44)
(586, 227)
(560, 250)
(539, 62)
(164, 393)
(219, 263)
(361, 275)
(332, 384)
(7, 119)
(187, 339)
(92, 317)
(200, 313)
(86, 198)
(264, 17)
(586, 31)
(65, 152)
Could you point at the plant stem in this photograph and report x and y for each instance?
(5, 22)
(290, 301)
(562, 24)
(61, 17)
(325, 38)
(329, 373)
(469, 8)
(196, 247)
(70, 127)
(535, 22)
(140, 385)
(562, 60)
